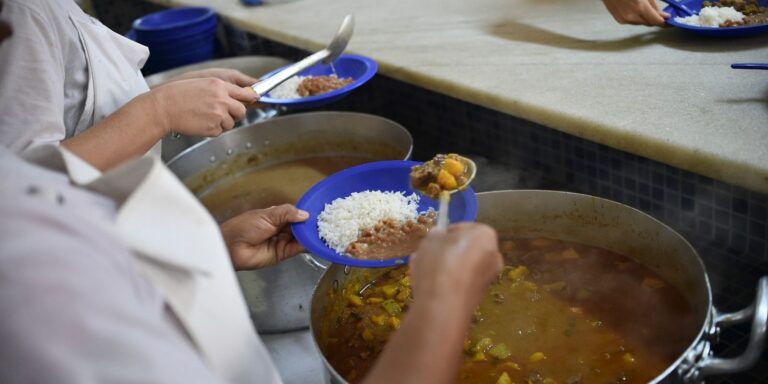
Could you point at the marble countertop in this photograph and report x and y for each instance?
(658, 93)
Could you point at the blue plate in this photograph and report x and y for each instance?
(359, 68)
(695, 5)
(381, 176)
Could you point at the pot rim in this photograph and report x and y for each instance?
(303, 115)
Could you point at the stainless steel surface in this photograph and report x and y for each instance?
(314, 263)
(296, 357)
(175, 143)
(280, 131)
(278, 296)
(254, 66)
(704, 365)
(327, 55)
(609, 225)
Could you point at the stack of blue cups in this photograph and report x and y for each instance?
(176, 37)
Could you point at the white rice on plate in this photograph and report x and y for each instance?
(712, 17)
(342, 220)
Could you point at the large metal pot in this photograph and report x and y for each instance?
(609, 225)
(278, 296)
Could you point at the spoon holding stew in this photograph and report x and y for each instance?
(442, 176)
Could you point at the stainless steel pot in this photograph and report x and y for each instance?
(254, 66)
(609, 225)
(278, 296)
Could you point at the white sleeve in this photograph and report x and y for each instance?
(32, 77)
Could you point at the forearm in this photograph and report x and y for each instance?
(127, 133)
(428, 346)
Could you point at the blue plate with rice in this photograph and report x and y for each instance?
(696, 6)
(358, 68)
(384, 176)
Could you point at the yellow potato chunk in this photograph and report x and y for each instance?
(504, 379)
(570, 254)
(453, 166)
(536, 357)
(479, 356)
(379, 320)
(446, 180)
(394, 322)
(518, 273)
(512, 365)
(354, 300)
(652, 283)
(367, 335)
(389, 291)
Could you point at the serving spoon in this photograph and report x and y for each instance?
(326, 56)
(445, 195)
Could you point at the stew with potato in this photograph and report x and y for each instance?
(561, 312)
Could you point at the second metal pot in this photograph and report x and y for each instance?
(610, 225)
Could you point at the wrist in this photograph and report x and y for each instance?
(155, 107)
(456, 296)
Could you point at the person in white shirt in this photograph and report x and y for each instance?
(124, 277)
(66, 78)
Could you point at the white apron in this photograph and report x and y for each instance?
(180, 250)
(114, 71)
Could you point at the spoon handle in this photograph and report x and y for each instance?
(266, 85)
(442, 213)
(750, 66)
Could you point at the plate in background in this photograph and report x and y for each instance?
(359, 68)
(695, 5)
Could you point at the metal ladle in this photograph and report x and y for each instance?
(445, 195)
(326, 56)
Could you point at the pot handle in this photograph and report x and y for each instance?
(758, 312)
(312, 262)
